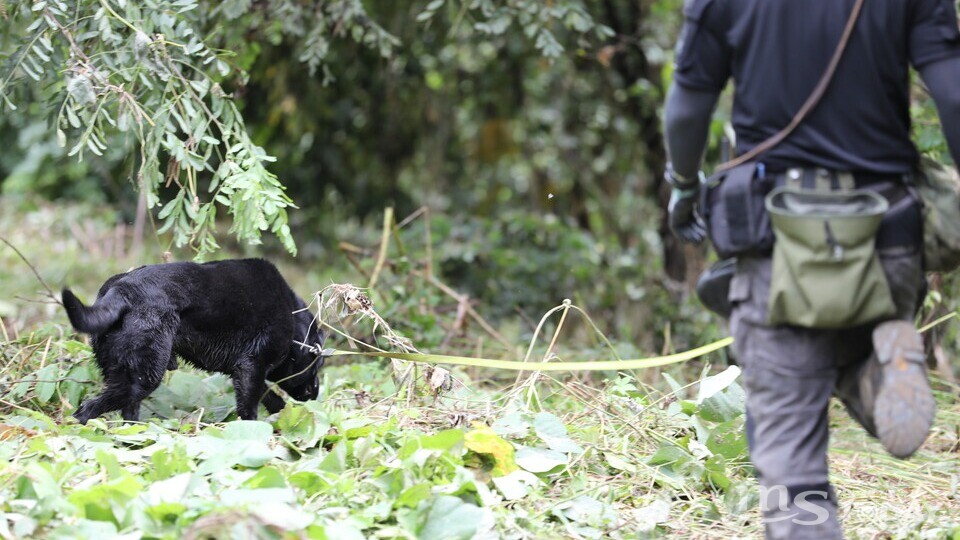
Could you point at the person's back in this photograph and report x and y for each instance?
(857, 137)
(776, 51)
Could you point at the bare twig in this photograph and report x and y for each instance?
(431, 279)
(34, 270)
(384, 246)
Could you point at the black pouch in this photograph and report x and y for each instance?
(901, 231)
(733, 209)
(713, 287)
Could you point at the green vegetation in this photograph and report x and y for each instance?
(462, 454)
(514, 148)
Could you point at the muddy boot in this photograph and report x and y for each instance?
(894, 384)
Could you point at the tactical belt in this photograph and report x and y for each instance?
(893, 187)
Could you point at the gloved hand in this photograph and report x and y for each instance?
(683, 215)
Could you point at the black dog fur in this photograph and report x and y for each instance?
(237, 317)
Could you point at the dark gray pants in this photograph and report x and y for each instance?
(789, 374)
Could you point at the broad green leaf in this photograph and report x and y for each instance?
(169, 462)
(303, 426)
(48, 382)
(675, 387)
(728, 440)
(587, 510)
(448, 439)
(84, 528)
(619, 462)
(540, 460)
(310, 482)
(266, 477)
(717, 472)
(449, 518)
(516, 485)
(669, 454)
(515, 425)
(554, 433)
(711, 386)
(336, 460)
(649, 516)
(412, 496)
(171, 490)
(286, 517)
(725, 405)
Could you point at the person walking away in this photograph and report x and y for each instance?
(826, 211)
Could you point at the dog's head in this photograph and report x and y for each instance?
(298, 375)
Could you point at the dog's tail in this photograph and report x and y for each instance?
(96, 318)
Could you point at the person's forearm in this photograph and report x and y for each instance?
(941, 79)
(686, 125)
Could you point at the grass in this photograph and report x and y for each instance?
(489, 455)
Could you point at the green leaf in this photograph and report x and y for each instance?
(651, 515)
(305, 425)
(412, 496)
(336, 460)
(449, 518)
(725, 405)
(266, 477)
(669, 454)
(728, 440)
(247, 430)
(48, 382)
(516, 485)
(587, 510)
(715, 384)
(310, 482)
(540, 460)
(554, 433)
(516, 425)
(169, 491)
(619, 462)
(445, 440)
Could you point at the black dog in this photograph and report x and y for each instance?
(237, 317)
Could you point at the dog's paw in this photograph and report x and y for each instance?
(82, 414)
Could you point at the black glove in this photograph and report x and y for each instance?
(684, 217)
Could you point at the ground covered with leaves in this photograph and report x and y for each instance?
(393, 451)
(545, 458)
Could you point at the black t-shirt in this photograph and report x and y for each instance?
(777, 50)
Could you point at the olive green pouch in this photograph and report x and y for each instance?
(825, 269)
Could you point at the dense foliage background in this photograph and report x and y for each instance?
(478, 109)
(471, 163)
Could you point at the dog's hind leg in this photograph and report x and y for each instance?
(113, 397)
(249, 385)
(142, 385)
(153, 357)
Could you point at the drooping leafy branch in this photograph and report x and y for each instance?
(158, 82)
(147, 75)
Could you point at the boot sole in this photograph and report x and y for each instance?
(904, 408)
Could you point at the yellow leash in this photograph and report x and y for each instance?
(512, 365)
(604, 365)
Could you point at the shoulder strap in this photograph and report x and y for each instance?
(811, 102)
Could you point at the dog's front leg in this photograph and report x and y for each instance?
(273, 402)
(249, 385)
